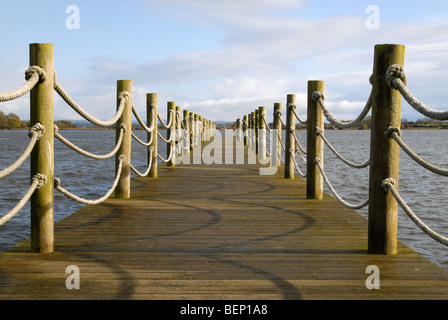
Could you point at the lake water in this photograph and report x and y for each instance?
(424, 191)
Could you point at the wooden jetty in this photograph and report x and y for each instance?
(216, 232)
(220, 231)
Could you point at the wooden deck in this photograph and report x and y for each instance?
(216, 232)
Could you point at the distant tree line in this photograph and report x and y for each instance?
(12, 121)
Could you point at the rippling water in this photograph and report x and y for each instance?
(422, 190)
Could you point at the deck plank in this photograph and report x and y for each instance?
(216, 232)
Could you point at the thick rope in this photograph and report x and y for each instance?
(169, 158)
(396, 78)
(389, 185)
(166, 126)
(152, 126)
(145, 174)
(279, 115)
(58, 187)
(395, 134)
(146, 144)
(297, 141)
(292, 107)
(33, 75)
(88, 154)
(37, 182)
(320, 98)
(296, 165)
(351, 164)
(123, 97)
(170, 139)
(34, 133)
(338, 197)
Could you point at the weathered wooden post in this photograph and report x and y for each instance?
(262, 134)
(123, 189)
(245, 127)
(256, 128)
(384, 152)
(315, 147)
(192, 130)
(290, 142)
(177, 133)
(186, 131)
(151, 114)
(171, 133)
(42, 156)
(276, 147)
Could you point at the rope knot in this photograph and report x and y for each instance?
(387, 183)
(291, 106)
(42, 179)
(317, 95)
(125, 95)
(35, 69)
(394, 72)
(122, 158)
(319, 131)
(316, 160)
(37, 128)
(390, 130)
(123, 126)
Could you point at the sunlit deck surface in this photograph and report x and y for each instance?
(216, 232)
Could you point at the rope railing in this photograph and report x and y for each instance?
(395, 133)
(389, 185)
(320, 98)
(122, 96)
(293, 109)
(57, 186)
(396, 79)
(337, 196)
(37, 182)
(343, 159)
(88, 154)
(35, 133)
(33, 75)
(44, 131)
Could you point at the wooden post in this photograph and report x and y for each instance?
(192, 130)
(384, 153)
(290, 143)
(256, 128)
(245, 127)
(262, 134)
(151, 114)
(123, 189)
(42, 156)
(186, 132)
(315, 147)
(276, 147)
(171, 132)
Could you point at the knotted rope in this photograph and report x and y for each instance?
(35, 133)
(37, 182)
(389, 185)
(123, 97)
(33, 76)
(395, 133)
(396, 79)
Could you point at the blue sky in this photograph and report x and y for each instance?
(223, 59)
